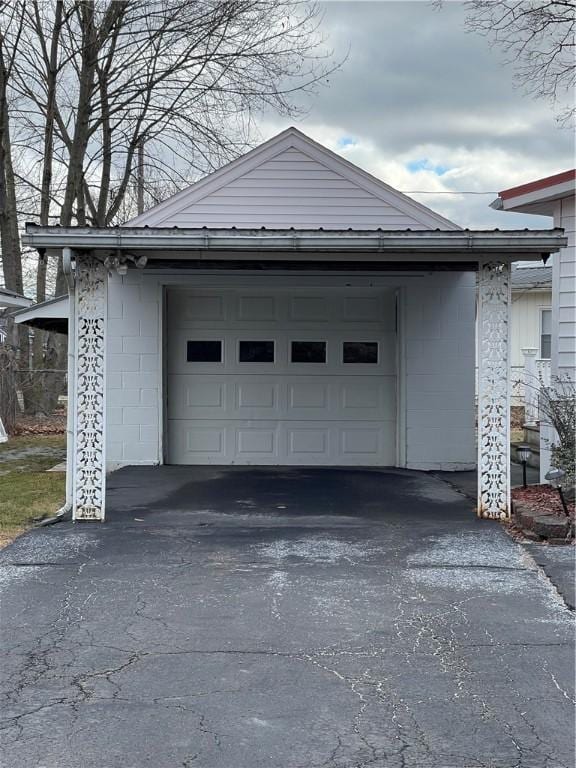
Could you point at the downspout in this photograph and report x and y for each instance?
(63, 512)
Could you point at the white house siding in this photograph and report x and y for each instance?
(564, 293)
(436, 366)
(525, 332)
(525, 323)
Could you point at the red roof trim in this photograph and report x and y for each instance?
(534, 186)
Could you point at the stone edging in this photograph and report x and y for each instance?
(556, 529)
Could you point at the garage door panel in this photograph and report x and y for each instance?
(256, 442)
(190, 308)
(305, 394)
(309, 309)
(198, 397)
(362, 440)
(308, 440)
(205, 440)
(369, 309)
(232, 401)
(269, 443)
(229, 363)
(204, 392)
(372, 397)
(251, 394)
(257, 308)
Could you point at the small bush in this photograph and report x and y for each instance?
(558, 408)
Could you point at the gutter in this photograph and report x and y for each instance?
(331, 241)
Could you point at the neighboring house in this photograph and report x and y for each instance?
(51, 315)
(12, 300)
(554, 196)
(288, 309)
(9, 300)
(531, 319)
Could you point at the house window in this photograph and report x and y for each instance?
(256, 352)
(360, 352)
(308, 352)
(545, 333)
(204, 351)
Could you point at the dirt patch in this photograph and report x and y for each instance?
(8, 536)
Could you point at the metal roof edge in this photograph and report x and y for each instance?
(205, 239)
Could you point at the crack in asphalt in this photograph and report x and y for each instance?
(385, 726)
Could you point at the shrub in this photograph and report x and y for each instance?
(558, 408)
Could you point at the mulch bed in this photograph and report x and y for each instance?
(541, 498)
(34, 425)
(517, 417)
(537, 514)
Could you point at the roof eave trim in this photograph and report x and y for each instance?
(85, 238)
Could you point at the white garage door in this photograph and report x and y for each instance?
(281, 377)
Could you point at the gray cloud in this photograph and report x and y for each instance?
(415, 78)
(414, 74)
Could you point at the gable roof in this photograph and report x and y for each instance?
(538, 197)
(535, 186)
(291, 181)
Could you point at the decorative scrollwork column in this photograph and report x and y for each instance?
(89, 486)
(494, 300)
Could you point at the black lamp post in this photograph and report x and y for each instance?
(555, 477)
(523, 452)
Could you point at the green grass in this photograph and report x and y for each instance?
(27, 491)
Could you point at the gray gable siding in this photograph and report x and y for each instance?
(292, 190)
(292, 181)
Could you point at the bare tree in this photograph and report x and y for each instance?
(9, 235)
(538, 39)
(557, 404)
(184, 76)
(14, 350)
(92, 81)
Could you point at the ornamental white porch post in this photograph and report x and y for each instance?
(89, 475)
(494, 300)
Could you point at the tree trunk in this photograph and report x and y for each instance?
(16, 351)
(46, 387)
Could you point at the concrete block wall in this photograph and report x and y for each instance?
(440, 361)
(439, 340)
(133, 370)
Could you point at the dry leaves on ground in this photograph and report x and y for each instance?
(542, 498)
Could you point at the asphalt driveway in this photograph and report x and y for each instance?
(282, 618)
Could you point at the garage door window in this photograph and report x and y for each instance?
(360, 352)
(256, 352)
(308, 352)
(204, 352)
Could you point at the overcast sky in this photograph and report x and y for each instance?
(424, 105)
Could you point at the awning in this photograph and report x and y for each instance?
(206, 244)
(10, 300)
(51, 315)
